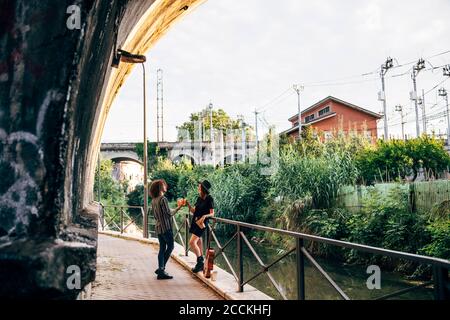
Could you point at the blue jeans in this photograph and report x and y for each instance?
(166, 245)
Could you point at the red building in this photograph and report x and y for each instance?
(332, 115)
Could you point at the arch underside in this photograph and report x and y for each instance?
(137, 34)
(56, 89)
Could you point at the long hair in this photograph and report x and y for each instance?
(156, 187)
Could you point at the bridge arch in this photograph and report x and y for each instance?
(180, 157)
(56, 92)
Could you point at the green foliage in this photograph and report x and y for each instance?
(221, 120)
(136, 199)
(238, 192)
(154, 153)
(112, 192)
(396, 159)
(440, 240)
(387, 222)
(320, 176)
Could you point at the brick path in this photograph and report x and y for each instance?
(125, 271)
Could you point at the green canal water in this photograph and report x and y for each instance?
(351, 279)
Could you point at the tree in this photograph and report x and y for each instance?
(153, 152)
(112, 192)
(389, 160)
(221, 121)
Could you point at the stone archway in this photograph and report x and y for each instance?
(56, 88)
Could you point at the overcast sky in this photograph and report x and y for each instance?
(243, 54)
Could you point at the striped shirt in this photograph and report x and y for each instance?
(163, 215)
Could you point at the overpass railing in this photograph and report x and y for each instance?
(439, 281)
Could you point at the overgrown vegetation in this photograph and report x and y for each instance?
(301, 195)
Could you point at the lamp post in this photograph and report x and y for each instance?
(127, 57)
(399, 108)
(211, 135)
(297, 89)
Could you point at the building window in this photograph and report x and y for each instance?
(324, 111)
(309, 118)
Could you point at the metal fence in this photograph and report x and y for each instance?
(440, 278)
(424, 196)
(441, 267)
(118, 218)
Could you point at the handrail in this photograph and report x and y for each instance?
(123, 214)
(340, 243)
(441, 267)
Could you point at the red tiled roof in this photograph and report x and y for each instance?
(331, 98)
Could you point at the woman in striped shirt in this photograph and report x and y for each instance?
(163, 216)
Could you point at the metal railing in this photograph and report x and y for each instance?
(440, 278)
(117, 218)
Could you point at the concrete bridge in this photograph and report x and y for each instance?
(56, 89)
(198, 152)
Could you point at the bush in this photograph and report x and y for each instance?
(440, 240)
(397, 159)
(238, 193)
(387, 222)
(320, 177)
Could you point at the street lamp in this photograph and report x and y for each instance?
(297, 89)
(127, 57)
(399, 108)
(211, 135)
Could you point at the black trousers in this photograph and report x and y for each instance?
(166, 245)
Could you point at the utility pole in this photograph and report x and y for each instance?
(416, 70)
(160, 106)
(424, 115)
(256, 131)
(297, 89)
(382, 95)
(399, 108)
(443, 93)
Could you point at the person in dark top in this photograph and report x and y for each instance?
(203, 209)
(163, 227)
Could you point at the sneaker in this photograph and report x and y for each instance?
(157, 271)
(164, 276)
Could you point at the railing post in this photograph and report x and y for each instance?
(145, 222)
(186, 235)
(102, 216)
(300, 262)
(441, 283)
(121, 221)
(240, 259)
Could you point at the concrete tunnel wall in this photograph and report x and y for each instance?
(56, 88)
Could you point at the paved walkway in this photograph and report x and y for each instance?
(125, 271)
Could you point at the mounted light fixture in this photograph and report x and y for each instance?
(127, 57)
